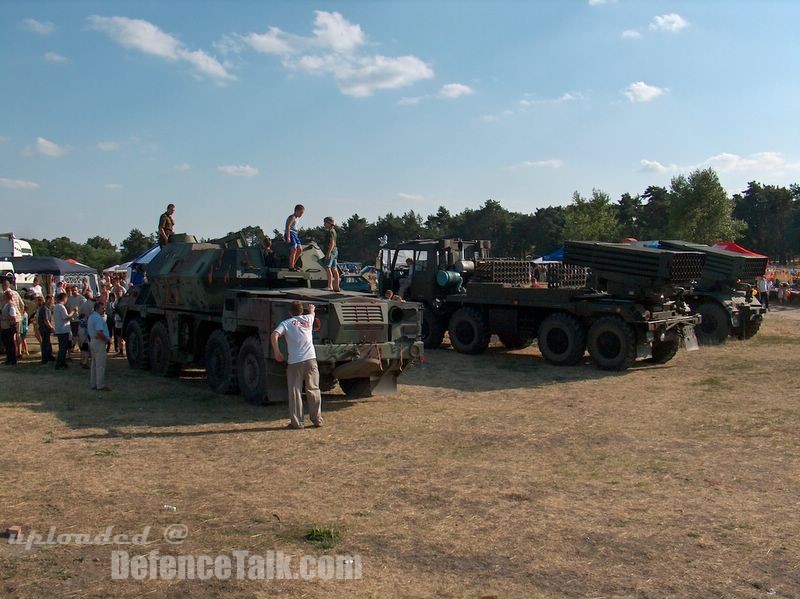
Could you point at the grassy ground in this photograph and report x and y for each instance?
(497, 475)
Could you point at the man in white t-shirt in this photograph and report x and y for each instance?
(301, 364)
(36, 289)
(97, 332)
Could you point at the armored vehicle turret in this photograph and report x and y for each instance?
(215, 304)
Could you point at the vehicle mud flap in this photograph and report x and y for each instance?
(689, 339)
(386, 385)
(277, 385)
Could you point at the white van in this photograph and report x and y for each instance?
(11, 246)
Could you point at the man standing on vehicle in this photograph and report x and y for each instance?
(165, 225)
(301, 364)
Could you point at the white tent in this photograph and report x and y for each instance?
(118, 268)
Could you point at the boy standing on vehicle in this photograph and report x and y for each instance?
(291, 236)
(329, 263)
(302, 364)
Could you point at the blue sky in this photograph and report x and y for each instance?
(235, 111)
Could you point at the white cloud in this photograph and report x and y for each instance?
(143, 36)
(17, 184)
(411, 197)
(333, 50)
(49, 148)
(766, 162)
(553, 163)
(4, 139)
(361, 77)
(113, 186)
(108, 146)
(455, 90)
(531, 100)
(42, 27)
(182, 168)
(54, 57)
(600, 2)
(631, 34)
(244, 170)
(757, 164)
(653, 166)
(641, 92)
(334, 31)
(671, 22)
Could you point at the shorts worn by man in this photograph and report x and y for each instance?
(302, 364)
(97, 332)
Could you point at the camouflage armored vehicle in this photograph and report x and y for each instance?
(725, 295)
(215, 305)
(621, 303)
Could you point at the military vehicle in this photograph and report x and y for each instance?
(216, 304)
(621, 303)
(725, 295)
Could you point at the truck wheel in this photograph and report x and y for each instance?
(356, 388)
(468, 331)
(160, 363)
(432, 328)
(137, 344)
(716, 324)
(664, 351)
(746, 330)
(326, 382)
(221, 353)
(514, 341)
(251, 371)
(612, 343)
(562, 339)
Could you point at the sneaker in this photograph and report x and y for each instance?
(292, 426)
(317, 424)
(328, 289)
(104, 389)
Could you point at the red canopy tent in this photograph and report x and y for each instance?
(735, 247)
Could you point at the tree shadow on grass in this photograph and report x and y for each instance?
(140, 399)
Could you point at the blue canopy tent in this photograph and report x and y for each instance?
(556, 256)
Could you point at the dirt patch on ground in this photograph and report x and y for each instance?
(490, 475)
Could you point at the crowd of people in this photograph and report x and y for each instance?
(84, 323)
(781, 283)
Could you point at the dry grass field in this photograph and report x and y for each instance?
(490, 476)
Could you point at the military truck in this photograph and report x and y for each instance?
(621, 303)
(215, 305)
(725, 295)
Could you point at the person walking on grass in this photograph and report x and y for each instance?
(44, 319)
(62, 329)
(331, 255)
(292, 238)
(97, 332)
(301, 364)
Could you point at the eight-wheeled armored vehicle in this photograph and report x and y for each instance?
(215, 304)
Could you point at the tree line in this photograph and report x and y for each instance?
(695, 207)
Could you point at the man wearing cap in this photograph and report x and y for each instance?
(97, 331)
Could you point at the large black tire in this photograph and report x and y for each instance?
(514, 341)
(469, 332)
(137, 344)
(746, 330)
(562, 339)
(221, 354)
(159, 349)
(356, 388)
(664, 351)
(716, 324)
(433, 328)
(611, 343)
(251, 371)
(326, 382)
